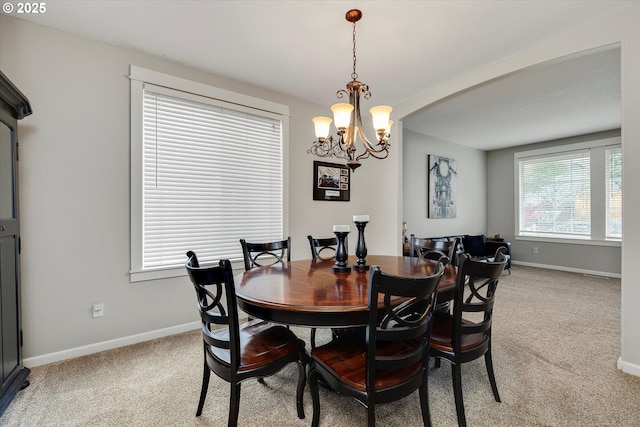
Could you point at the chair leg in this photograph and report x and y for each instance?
(488, 361)
(302, 380)
(456, 375)
(371, 415)
(234, 405)
(436, 363)
(370, 404)
(313, 338)
(203, 391)
(424, 400)
(312, 377)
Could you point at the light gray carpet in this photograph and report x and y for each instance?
(556, 343)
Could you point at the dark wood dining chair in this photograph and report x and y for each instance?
(320, 249)
(465, 335)
(323, 248)
(393, 360)
(234, 352)
(438, 250)
(505, 252)
(433, 249)
(265, 253)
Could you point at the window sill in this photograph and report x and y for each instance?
(168, 273)
(569, 240)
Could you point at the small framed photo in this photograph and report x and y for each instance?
(331, 181)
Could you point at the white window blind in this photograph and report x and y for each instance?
(555, 197)
(613, 177)
(212, 174)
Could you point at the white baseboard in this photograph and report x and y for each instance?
(629, 368)
(569, 269)
(108, 345)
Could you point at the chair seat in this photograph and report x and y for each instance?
(260, 344)
(446, 292)
(441, 334)
(347, 361)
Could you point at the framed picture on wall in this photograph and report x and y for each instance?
(331, 182)
(442, 183)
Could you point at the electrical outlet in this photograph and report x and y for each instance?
(535, 249)
(98, 309)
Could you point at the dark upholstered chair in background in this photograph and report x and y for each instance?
(265, 253)
(465, 335)
(393, 360)
(235, 352)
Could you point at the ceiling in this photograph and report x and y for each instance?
(571, 96)
(404, 48)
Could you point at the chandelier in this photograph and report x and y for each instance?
(348, 121)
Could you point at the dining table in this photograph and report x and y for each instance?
(310, 293)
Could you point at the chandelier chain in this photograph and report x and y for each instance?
(354, 75)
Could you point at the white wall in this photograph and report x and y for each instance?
(471, 197)
(602, 258)
(75, 183)
(624, 29)
(74, 195)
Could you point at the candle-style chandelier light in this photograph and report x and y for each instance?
(348, 121)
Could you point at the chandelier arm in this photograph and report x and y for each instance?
(355, 90)
(366, 94)
(377, 147)
(329, 148)
(380, 151)
(380, 154)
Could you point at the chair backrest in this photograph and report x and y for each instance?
(407, 324)
(213, 285)
(323, 248)
(433, 249)
(473, 303)
(267, 253)
(504, 251)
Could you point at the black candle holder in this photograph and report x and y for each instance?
(361, 247)
(341, 253)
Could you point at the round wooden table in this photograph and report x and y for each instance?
(309, 293)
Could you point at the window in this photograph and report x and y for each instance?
(555, 194)
(205, 173)
(613, 177)
(571, 192)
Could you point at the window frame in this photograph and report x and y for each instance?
(597, 186)
(138, 77)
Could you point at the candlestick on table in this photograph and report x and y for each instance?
(341, 232)
(361, 247)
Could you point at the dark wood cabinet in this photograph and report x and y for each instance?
(13, 107)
